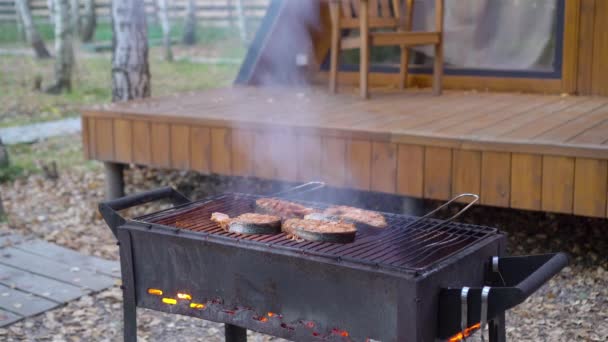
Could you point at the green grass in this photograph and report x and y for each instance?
(19, 104)
(103, 32)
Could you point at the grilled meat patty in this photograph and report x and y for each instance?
(282, 208)
(357, 215)
(316, 230)
(249, 223)
(222, 219)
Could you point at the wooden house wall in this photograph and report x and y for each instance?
(584, 70)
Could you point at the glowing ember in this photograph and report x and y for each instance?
(342, 333)
(170, 301)
(467, 332)
(155, 292)
(184, 296)
(263, 319)
(271, 314)
(198, 306)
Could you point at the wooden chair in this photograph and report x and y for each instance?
(382, 14)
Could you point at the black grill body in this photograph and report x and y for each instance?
(292, 290)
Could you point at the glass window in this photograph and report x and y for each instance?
(486, 36)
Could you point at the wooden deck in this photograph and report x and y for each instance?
(37, 276)
(523, 151)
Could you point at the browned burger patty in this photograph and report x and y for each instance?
(358, 215)
(249, 223)
(325, 231)
(282, 208)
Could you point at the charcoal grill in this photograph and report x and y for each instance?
(419, 279)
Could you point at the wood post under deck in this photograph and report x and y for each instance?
(115, 184)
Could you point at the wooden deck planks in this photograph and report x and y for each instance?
(221, 142)
(558, 184)
(410, 170)
(498, 145)
(384, 167)
(466, 172)
(70, 257)
(160, 143)
(200, 149)
(548, 122)
(590, 187)
(142, 148)
(104, 139)
(333, 161)
(242, 152)
(7, 318)
(22, 303)
(437, 173)
(180, 147)
(308, 149)
(526, 181)
(36, 276)
(574, 127)
(496, 179)
(55, 270)
(40, 286)
(359, 164)
(123, 141)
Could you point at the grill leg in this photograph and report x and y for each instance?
(115, 184)
(128, 287)
(497, 329)
(234, 333)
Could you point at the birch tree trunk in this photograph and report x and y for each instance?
(89, 21)
(51, 5)
(64, 52)
(163, 15)
(130, 69)
(19, 22)
(241, 20)
(189, 37)
(31, 34)
(75, 16)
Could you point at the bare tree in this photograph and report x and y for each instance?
(189, 37)
(241, 20)
(31, 34)
(64, 52)
(75, 16)
(19, 22)
(51, 5)
(89, 21)
(130, 69)
(163, 16)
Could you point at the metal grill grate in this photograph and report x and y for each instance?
(407, 242)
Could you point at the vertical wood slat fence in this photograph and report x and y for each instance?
(216, 12)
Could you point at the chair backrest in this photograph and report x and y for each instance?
(382, 13)
(386, 14)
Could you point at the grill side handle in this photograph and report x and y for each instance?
(516, 279)
(109, 209)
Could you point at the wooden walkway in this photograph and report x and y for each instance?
(516, 150)
(37, 276)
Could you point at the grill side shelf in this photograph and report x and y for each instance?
(513, 280)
